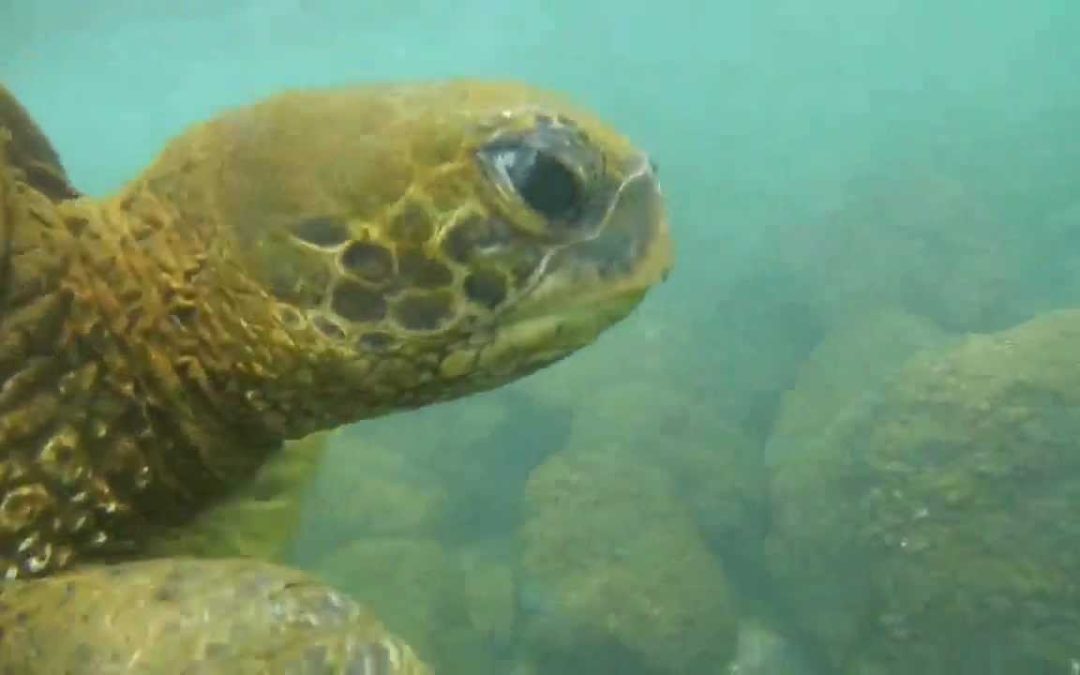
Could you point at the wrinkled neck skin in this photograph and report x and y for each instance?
(132, 389)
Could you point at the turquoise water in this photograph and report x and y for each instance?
(764, 480)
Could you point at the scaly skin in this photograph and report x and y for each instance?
(312, 260)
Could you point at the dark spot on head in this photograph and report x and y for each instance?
(411, 225)
(368, 261)
(62, 453)
(355, 302)
(419, 271)
(329, 328)
(322, 231)
(423, 312)
(475, 236)
(486, 288)
(376, 341)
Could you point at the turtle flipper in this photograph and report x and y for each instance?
(184, 615)
(30, 150)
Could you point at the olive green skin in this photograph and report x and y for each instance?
(315, 259)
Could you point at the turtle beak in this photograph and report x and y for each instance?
(629, 252)
(635, 236)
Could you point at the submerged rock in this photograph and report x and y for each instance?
(933, 530)
(415, 586)
(732, 350)
(762, 651)
(455, 472)
(374, 492)
(616, 575)
(853, 360)
(646, 413)
(490, 593)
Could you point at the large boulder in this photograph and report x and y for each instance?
(760, 650)
(616, 577)
(417, 587)
(853, 360)
(932, 529)
(632, 399)
(366, 489)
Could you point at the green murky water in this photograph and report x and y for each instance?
(840, 439)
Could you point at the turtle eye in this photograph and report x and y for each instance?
(540, 179)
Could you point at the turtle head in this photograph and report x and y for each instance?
(421, 242)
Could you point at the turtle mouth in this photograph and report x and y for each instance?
(532, 342)
(633, 246)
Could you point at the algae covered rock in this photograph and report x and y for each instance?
(719, 475)
(405, 581)
(366, 489)
(762, 651)
(853, 360)
(455, 471)
(647, 413)
(616, 576)
(732, 349)
(489, 586)
(715, 469)
(933, 530)
(415, 587)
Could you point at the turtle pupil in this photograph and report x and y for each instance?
(543, 182)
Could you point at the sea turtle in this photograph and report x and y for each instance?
(318, 258)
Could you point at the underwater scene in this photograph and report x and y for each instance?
(540, 337)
